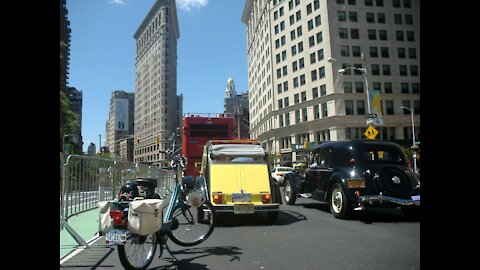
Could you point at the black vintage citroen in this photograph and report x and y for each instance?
(353, 175)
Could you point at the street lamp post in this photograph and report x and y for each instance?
(364, 72)
(413, 139)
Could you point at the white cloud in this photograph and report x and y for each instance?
(117, 2)
(187, 5)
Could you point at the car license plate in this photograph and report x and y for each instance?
(116, 237)
(241, 197)
(243, 209)
(356, 183)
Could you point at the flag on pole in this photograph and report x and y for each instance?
(376, 107)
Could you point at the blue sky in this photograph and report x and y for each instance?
(211, 47)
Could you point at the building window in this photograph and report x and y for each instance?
(280, 103)
(341, 16)
(352, 16)
(382, 34)
(298, 16)
(406, 3)
(386, 70)
(408, 19)
(375, 70)
(389, 107)
(321, 72)
(314, 75)
(300, 47)
(354, 33)
(297, 116)
(315, 92)
(294, 50)
(372, 34)
(304, 115)
(279, 88)
(405, 88)
(387, 87)
(299, 31)
(324, 110)
(316, 111)
(359, 87)
(296, 99)
(415, 88)
(301, 63)
(302, 79)
(309, 9)
(397, 18)
(313, 58)
(396, 3)
(294, 66)
(381, 18)
(356, 51)
(310, 25)
(311, 41)
(343, 33)
(379, 3)
(399, 35)
(292, 19)
(413, 70)
(347, 87)
(287, 119)
(360, 107)
(285, 102)
(304, 96)
(320, 54)
(344, 51)
(348, 107)
(416, 107)
(295, 82)
(316, 4)
(319, 37)
(373, 52)
(377, 86)
(370, 17)
(412, 53)
(368, 3)
(401, 52)
(410, 36)
(403, 70)
(323, 90)
(280, 118)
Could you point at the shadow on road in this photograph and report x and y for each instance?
(189, 263)
(285, 217)
(383, 215)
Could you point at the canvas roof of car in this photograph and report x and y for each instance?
(246, 150)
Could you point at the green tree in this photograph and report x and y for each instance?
(68, 120)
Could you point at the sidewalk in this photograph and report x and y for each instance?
(85, 224)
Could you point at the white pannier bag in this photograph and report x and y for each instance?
(104, 219)
(145, 216)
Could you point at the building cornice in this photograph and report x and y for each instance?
(247, 11)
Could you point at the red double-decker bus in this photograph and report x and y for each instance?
(198, 129)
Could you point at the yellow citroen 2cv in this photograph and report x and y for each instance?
(237, 179)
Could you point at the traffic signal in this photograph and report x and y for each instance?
(157, 139)
(305, 144)
(138, 141)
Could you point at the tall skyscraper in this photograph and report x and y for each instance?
(237, 106)
(64, 45)
(120, 124)
(75, 99)
(156, 101)
(296, 48)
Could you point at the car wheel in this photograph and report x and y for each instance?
(289, 193)
(339, 205)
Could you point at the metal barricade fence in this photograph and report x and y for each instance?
(87, 180)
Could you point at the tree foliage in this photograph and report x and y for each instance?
(68, 119)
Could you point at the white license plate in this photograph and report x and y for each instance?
(243, 209)
(116, 237)
(241, 197)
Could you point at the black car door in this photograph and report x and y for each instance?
(323, 172)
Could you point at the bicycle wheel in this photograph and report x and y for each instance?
(195, 224)
(138, 251)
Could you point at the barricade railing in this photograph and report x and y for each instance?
(86, 180)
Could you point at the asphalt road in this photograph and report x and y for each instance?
(305, 236)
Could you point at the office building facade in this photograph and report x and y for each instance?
(295, 49)
(121, 125)
(156, 100)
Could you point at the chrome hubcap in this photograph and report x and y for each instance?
(337, 201)
(287, 191)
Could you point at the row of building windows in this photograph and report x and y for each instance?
(356, 51)
(386, 71)
(370, 17)
(405, 87)
(372, 34)
(378, 3)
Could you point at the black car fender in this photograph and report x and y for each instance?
(340, 178)
(295, 181)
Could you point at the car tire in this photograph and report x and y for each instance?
(289, 193)
(338, 202)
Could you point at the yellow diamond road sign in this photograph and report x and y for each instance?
(371, 133)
